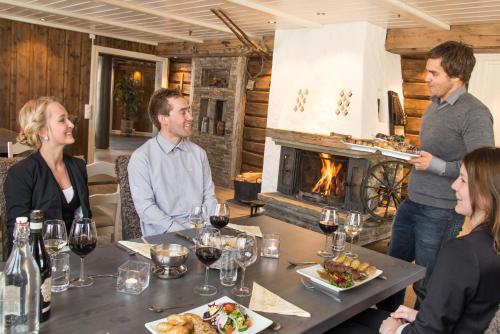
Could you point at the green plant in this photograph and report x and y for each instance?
(128, 94)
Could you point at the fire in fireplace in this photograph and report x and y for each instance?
(322, 177)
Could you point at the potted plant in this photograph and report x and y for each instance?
(128, 94)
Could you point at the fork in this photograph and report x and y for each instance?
(313, 286)
(303, 263)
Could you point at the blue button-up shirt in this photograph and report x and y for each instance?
(166, 181)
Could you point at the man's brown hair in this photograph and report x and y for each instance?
(158, 104)
(484, 187)
(457, 59)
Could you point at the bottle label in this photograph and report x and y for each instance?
(12, 300)
(36, 226)
(46, 293)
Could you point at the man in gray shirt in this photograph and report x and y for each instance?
(168, 174)
(454, 124)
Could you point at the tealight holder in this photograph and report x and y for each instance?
(270, 245)
(133, 277)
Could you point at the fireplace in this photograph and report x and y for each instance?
(322, 178)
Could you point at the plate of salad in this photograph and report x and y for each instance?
(226, 317)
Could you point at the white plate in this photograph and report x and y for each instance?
(397, 154)
(312, 273)
(362, 148)
(259, 322)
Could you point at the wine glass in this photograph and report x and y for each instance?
(208, 250)
(197, 217)
(82, 241)
(328, 223)
(219, 218)
(353, 227)
(246, 254)
(55, 236)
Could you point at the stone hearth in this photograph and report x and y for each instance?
(307, 215)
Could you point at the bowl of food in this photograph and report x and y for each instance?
(169, 255)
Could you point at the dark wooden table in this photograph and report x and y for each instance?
(101, 309)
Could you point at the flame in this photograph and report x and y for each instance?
(329, 171)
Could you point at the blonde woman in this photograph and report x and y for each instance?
(48, 179)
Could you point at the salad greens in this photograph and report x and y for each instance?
(227, 318)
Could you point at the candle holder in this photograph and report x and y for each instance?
(270, 245)
(133, 277)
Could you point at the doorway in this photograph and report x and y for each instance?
(148, 71)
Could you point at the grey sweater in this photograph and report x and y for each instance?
(449, 129)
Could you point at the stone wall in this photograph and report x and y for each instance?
(220, 148)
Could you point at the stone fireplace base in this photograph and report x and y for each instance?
(307, 215)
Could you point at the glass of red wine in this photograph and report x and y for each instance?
(208, 250)
(82, 241)
(219, 218)
(328, 223)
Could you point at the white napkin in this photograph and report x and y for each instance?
(143, 249)
(253, 230)
(264, 300)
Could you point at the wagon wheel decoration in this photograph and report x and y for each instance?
(384, 187)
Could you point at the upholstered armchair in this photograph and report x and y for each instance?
(131, 228)
(5, 164)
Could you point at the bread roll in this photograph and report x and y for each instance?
(362, 266)
(370, 270)
(347, 261)
(176, 319)
(163, 327)
(340, 258)
(355, 264)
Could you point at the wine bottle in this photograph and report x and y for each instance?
(42, 259)
(22, 285)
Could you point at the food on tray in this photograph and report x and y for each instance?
(344, 272)
(395, 143)
(227, 318)
(187, 323)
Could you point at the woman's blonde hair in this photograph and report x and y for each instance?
(484, 187)
(32, 118)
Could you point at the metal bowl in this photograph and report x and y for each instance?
(169, 255)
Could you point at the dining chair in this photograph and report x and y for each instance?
(5, 164)
(105, 207)
(494, 327)
(16, 148)
(131, 228)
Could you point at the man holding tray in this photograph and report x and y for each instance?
(455, 123)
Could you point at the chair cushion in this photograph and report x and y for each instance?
(131, 227)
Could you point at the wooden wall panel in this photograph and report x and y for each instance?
(5, 72)
(416, 94)
(255, 122)
(37, 60)
(180, 75)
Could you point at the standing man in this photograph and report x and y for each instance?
(455, 123)
(168, 174)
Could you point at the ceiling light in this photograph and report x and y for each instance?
(42, 19)
(320, 13)
(271, 22)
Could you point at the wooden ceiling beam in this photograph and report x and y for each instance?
(412, 13)
(277, 13)
(73, 28)
(146, 10)
(51, 10)
(484, 38)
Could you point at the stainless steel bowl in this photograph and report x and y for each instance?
(169, 255)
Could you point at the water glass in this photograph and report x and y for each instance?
(338, 243)
(228, 268)
(60, 271)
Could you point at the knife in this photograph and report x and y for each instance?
(184, 236)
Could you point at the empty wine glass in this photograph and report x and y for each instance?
(55, 236)
(208, 250)
(82, 241)
(245, 254)
(219, 218)
(353, 227)
(328, 223)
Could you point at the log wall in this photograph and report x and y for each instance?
(37, 60)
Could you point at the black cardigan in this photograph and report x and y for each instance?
(30, 185)
(463, 293)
